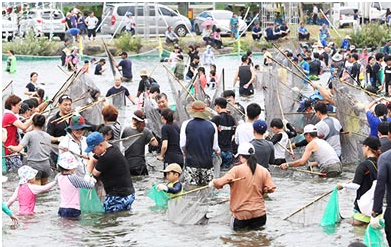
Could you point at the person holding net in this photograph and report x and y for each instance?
(247, 204)
(366, 173)
(172, 173)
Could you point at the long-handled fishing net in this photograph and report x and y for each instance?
(153, 116)
(190, 209)
(352, 117)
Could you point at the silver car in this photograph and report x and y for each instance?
(222, 17)
(154, 17)
(43, 22)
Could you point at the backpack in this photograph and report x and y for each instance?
(153, 82)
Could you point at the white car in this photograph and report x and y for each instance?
(9, 28)
(43, 22)
(222, 17)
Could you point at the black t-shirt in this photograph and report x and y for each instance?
(31, 87)
(189, 72)
(226, 129)
(56, 129)
(135, 149)
(115, 173)
(144, 85)
(315, 67)
(171, 133)
(364, 176)
(98, 68)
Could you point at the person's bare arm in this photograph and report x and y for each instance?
(236, 77)
(163, 149)
(309, 149)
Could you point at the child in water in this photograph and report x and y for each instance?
(172, 173)
(26, 191)
(69, 184)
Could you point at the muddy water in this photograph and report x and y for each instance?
(146, 227)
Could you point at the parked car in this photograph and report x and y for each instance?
(222, 17)
(342, 17)
(43, 22)
(9, 27)
(155, 17)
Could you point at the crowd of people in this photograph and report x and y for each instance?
(87, 155)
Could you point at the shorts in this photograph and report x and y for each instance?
(118, 203)
(251, 224)
(13, 163)
(227, 158)
(69, 213)
(246, 91)
(198, 176)
(361, 217)
(332, 170)
(44, 170)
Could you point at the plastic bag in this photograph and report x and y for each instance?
(374, 237)
(158, 196)
(331, 213)
(89, 201)
(365, 202)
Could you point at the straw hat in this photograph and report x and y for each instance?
(143, 72)
(337, 57)
(198, 110)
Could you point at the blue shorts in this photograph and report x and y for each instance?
(69, 213)
(118, 203)
(226, 157)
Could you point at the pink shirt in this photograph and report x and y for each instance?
(26, 194)
(69, 190)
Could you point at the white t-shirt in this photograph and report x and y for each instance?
(130, 23)
(244, 133)
(315, 10)
(91, 22)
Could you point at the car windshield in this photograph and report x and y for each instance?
(55, 14)
(222, 15)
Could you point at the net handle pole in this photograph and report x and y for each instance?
(312, 202)
(126, 138)
(65, 150)
(283, 117)
(183, 86)
(9, 84)
(202, 188)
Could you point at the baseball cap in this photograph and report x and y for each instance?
(123, 53)
(310, 128)
(93, 140)
(372, 142)
(174, 167)
(260, 126)
(245, 149)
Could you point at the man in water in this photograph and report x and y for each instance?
(111, 167)
(246, 75)
(117, 88)
(324, 155)
(126, 66)
(198, 141)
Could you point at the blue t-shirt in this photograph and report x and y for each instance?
(374, 122)
(126, 65)
(303, 30)
(256, 29)
(73, 31)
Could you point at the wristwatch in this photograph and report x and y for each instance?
(374, 214)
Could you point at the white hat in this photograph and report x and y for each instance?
(67, 161)
(26, 173)
(310, 128)
(245, 149)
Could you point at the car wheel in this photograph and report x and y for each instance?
(181, 31)
(197, 30)
(62, 36)
(10, 38)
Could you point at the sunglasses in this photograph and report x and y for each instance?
(64, 97)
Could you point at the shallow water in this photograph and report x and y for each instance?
(147, 227)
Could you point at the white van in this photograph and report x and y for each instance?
(154, 16)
